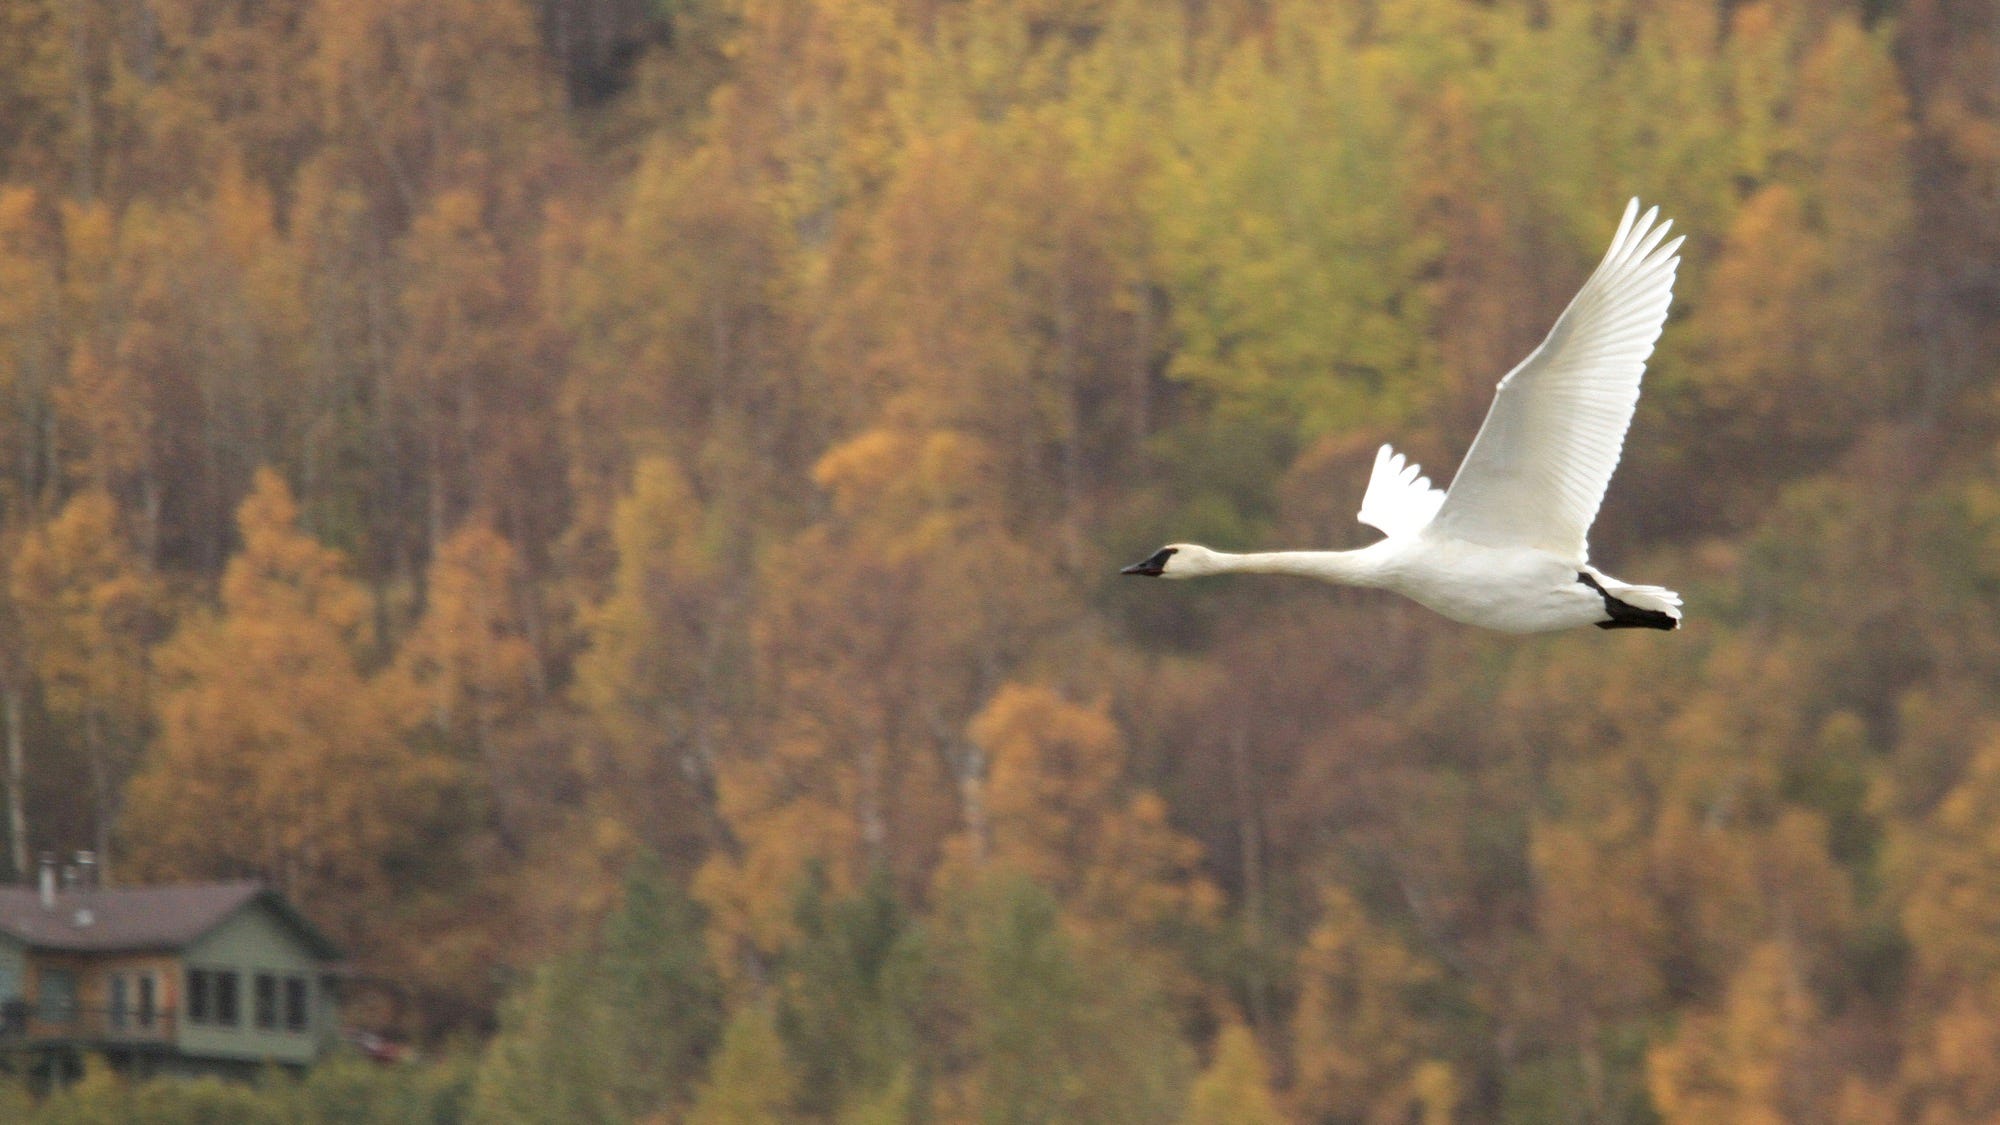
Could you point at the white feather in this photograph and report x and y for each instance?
(1537, 471)
(1400, 499)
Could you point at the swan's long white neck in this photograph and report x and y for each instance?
(1364, 567)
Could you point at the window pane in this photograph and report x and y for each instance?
(149, 1000)
(121, 999)
(295, 1004)
(225, 998)
(200, 996)
(267, 1000)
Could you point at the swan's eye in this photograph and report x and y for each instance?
(1152, 567)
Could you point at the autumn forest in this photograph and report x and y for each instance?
(614, 506)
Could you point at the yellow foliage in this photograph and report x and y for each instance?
(1358, 1045)
(1236, 1087)
(88, 610)
(790, 812)
(1058, 808)
(872, 643)
(468, 653)
(1951, 1064)
(1053, 765)
(1949, 1071)
(1594, 911)
(1742, 1064)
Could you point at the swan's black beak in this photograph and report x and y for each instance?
(1152, 567)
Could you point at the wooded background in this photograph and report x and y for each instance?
(614, 506)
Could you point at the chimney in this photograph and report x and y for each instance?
(48, 881)
(86, 870)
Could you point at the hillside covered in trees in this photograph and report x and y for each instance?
(614, 506)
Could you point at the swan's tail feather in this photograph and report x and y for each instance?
(1636, 607)
(1647, 597)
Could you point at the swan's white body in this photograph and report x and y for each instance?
(1507, 547)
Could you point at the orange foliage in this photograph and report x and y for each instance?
(278, 755)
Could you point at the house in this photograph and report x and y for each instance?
(197, 978)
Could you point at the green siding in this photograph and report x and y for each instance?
(254, 941)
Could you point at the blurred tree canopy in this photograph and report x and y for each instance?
(613, 506)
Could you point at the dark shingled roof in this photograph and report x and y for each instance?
(118, 919)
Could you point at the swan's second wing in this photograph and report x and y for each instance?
(1400, 500)
(1536, 473)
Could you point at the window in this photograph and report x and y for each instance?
(200, 996)
(134, 1000)
(58, 995)
(297, 1017)
(211, 997)
(225, 998)
(13, 1009)
(267, 1001)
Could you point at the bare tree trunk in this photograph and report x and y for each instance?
(1251, 836)
(874, 826)
(17, 819)
(708, 715)
(972, 790)
(149, 501)
(1067, 362)
(82, 104)
(1140, 397)
(1591, 1061)
(100, 789)
(434, 470)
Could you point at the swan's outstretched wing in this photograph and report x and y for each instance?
(1536, 473)
(1400, 499)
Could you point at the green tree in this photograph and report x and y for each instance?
(750, 1082)
(1289, 267)
(657, 985)
(553, 1059)
(1056, 1027)
(614, 1032)
(847, 997)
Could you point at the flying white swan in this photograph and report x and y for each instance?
(1505, 548)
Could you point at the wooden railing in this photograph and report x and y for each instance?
(22, 1022)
